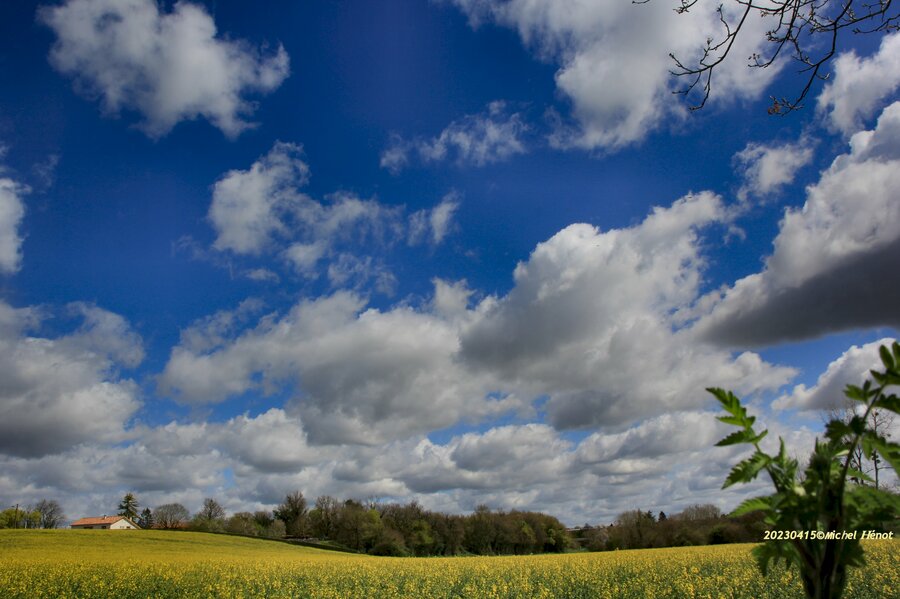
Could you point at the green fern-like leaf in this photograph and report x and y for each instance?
(754, 504)
(747, 470)
(744, 436)
(889, 402)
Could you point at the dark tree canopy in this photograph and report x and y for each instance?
(257, 524)
(293, 513)
(211, 510)
(145, 520)
(171, 515)
(809, 31)
(51, 513)
(128, 507)
(211, 517)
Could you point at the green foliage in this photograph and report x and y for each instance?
(242, 523)
(390, 543)
(821, 499)
(293, 513)
(128, 507)
(170, 516)
(51, 513)
(18, 517)
(210, 518)
(145, 520)
(422, 538)
(696, 525)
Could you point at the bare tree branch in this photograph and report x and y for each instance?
(799, 27)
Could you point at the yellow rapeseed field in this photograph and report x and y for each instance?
(123, 564)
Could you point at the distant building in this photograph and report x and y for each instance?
(108, 522)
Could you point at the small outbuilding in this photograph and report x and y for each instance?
(107, 522)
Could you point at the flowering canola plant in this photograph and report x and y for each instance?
(139, 564)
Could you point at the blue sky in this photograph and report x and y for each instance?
(455, 251)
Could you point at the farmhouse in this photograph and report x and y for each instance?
(110, 522)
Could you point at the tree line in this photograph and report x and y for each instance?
(695, 525)
(396, 529)
(46, 513)
(368, 526)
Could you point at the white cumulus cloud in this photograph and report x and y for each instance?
(259, 209)
(167, 66)
(860, 85)
(249, 207)
(359, 374)
(851, 368)
(828, 269)
(433, 225)
(59, 392)
(478, 139)
(765, 169)
(588, 323)
(589, 315)
(12, 211)
(614, 63)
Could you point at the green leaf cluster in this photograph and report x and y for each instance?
(820, 498)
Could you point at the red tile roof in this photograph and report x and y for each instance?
(101, 520)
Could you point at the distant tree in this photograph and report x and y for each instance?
(726, 532)
(505, 534)
(881, 422)
(390, 543)
(257, 524)
(210, 518)
(171, 515)
(323, 518)
(697, 512)
(596, 539)
(31, 518)
(454, 534)
(449, 533)
(634, 529)
(558, 539)
(51, 513)
(292, 512)
(242, 523)
(18, 517)
(211, 510)
(662, 517)
(275, 530)
(401, 517)
(128, 507)
(526, 539)
(264, 521)
(145, 520)
(480, 531)
(350, 524)
(685, 533)
(372, 528)
(422, 538)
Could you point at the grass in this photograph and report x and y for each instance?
(101, 546)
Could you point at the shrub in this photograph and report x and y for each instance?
(822, 498)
